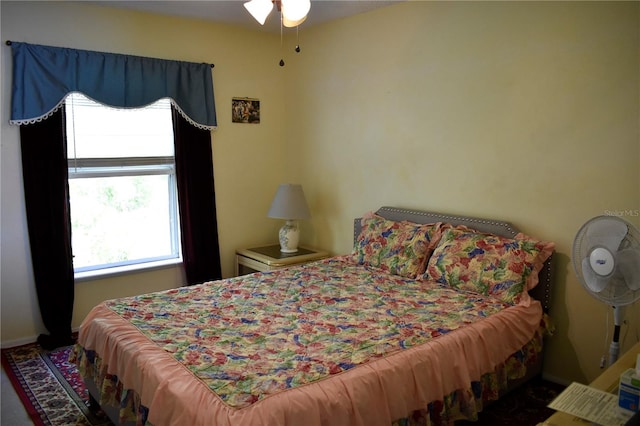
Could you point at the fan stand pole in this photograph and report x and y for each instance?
(614, 348)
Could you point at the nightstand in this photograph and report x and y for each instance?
(267, 258)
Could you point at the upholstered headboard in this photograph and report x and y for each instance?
(541, 292)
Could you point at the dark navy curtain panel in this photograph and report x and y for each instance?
(46, 193)
(196, 201)
(44, 75)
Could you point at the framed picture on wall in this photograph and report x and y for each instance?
(245, 110)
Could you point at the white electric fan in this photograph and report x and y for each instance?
(606, 258)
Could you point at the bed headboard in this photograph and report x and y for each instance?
(541, 292)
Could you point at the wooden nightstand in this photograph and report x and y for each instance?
(267, 258)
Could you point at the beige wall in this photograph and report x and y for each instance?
(526, 112)
(523, 111)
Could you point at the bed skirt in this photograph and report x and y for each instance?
(462, 404)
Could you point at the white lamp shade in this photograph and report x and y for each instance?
(289, 203)
(259, 9)
(294, 12)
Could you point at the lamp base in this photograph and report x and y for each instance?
(289, 237)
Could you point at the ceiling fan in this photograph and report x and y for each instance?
(293, 12)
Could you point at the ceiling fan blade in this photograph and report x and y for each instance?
(608, 232)
(628, 262)
(591, 279)
(259, 9)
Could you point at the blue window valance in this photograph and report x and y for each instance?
(43, 76)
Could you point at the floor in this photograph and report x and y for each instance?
(12, 412)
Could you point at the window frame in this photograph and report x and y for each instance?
(112, 167)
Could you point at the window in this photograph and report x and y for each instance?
(122, 186)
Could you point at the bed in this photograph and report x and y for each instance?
(429, 318)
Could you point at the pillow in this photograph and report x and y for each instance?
(488, 264)
(399, 248)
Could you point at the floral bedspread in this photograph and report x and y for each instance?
(253, 336)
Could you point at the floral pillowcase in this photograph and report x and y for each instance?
(400, 248)
(488, 264)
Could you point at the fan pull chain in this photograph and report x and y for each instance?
(297, 39)
(281, 60)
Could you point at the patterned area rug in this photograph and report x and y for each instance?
(50, 387)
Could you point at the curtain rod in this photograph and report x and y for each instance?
(8, 43)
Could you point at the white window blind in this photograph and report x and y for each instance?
(122, 185)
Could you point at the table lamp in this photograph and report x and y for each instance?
(289, 204)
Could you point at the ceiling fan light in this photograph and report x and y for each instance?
(294, 12)
(289, 23)
(259, 9)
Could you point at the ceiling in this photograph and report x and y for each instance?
(233, 11)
